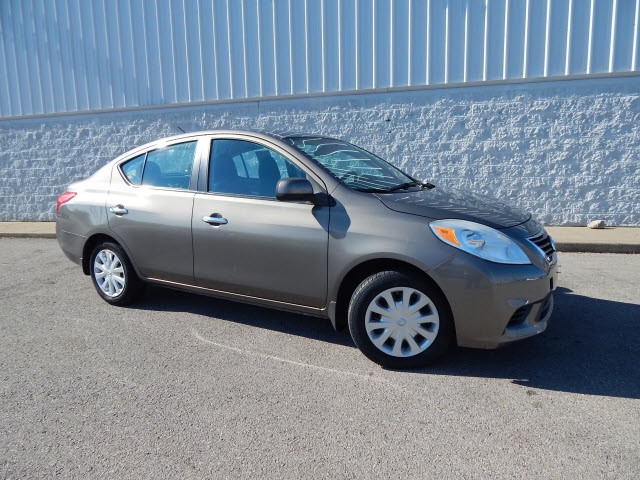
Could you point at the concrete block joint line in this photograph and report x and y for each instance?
(567, 151)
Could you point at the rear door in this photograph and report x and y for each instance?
(261, 247)
(149, 207)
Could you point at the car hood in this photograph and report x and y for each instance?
(440, 203)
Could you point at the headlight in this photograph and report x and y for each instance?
(479, 240)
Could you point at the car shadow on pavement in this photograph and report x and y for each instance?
(592, 346)
(163, 299)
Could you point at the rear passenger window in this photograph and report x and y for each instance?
(170, 167)
(133, 169)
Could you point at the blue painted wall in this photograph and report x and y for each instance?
(78, 55)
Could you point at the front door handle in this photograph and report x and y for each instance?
(215, 219)
(119, 210)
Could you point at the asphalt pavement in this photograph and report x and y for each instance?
(185, 386)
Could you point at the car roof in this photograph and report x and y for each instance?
(276, 134)
(284, 134)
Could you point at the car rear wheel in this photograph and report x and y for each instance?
(400, 320)
(113, 275)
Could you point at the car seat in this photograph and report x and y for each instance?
(268, 173)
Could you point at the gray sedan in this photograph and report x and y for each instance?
(317, 226)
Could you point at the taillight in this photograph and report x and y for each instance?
(64, 198)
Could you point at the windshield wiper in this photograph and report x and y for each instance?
(407, 185)
(402, 186)
(372, 190)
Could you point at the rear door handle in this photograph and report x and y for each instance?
(119, 210)
(215, 219)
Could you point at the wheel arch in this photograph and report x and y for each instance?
(91, 243)
(361, 271)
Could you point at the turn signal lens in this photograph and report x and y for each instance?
(64, 198)
(447, 234)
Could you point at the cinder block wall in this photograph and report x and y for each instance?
(568, 151)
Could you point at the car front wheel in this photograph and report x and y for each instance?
(399, 320)
(113, 275)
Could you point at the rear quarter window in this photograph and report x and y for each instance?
(132, 169)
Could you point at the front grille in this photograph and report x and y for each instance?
(543, 242)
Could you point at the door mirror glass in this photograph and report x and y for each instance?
(294, 189)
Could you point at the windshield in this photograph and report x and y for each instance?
(355, 167)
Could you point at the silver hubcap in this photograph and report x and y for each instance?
(109, 273)
(402, 322)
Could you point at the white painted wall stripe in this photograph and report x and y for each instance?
(466, 41)
(547, 39)
(636, 30)
(505, 52)
(568, 48)
(526, 39)
(428, 46)
(590, 46)
(486, 41)
(306, 46)
(289, 14)
(391, 52)
(612, 41)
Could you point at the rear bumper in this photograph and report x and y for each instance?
(494, 304)
(71, 244)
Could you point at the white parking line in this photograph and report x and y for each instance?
(285, 360)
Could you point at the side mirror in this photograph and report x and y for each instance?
(294, 189)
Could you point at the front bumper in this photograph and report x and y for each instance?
(492, 303)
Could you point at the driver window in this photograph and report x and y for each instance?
(245, 168)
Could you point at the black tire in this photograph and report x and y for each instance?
(132, 285)
(377, 284)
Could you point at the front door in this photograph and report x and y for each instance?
(247, 242)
